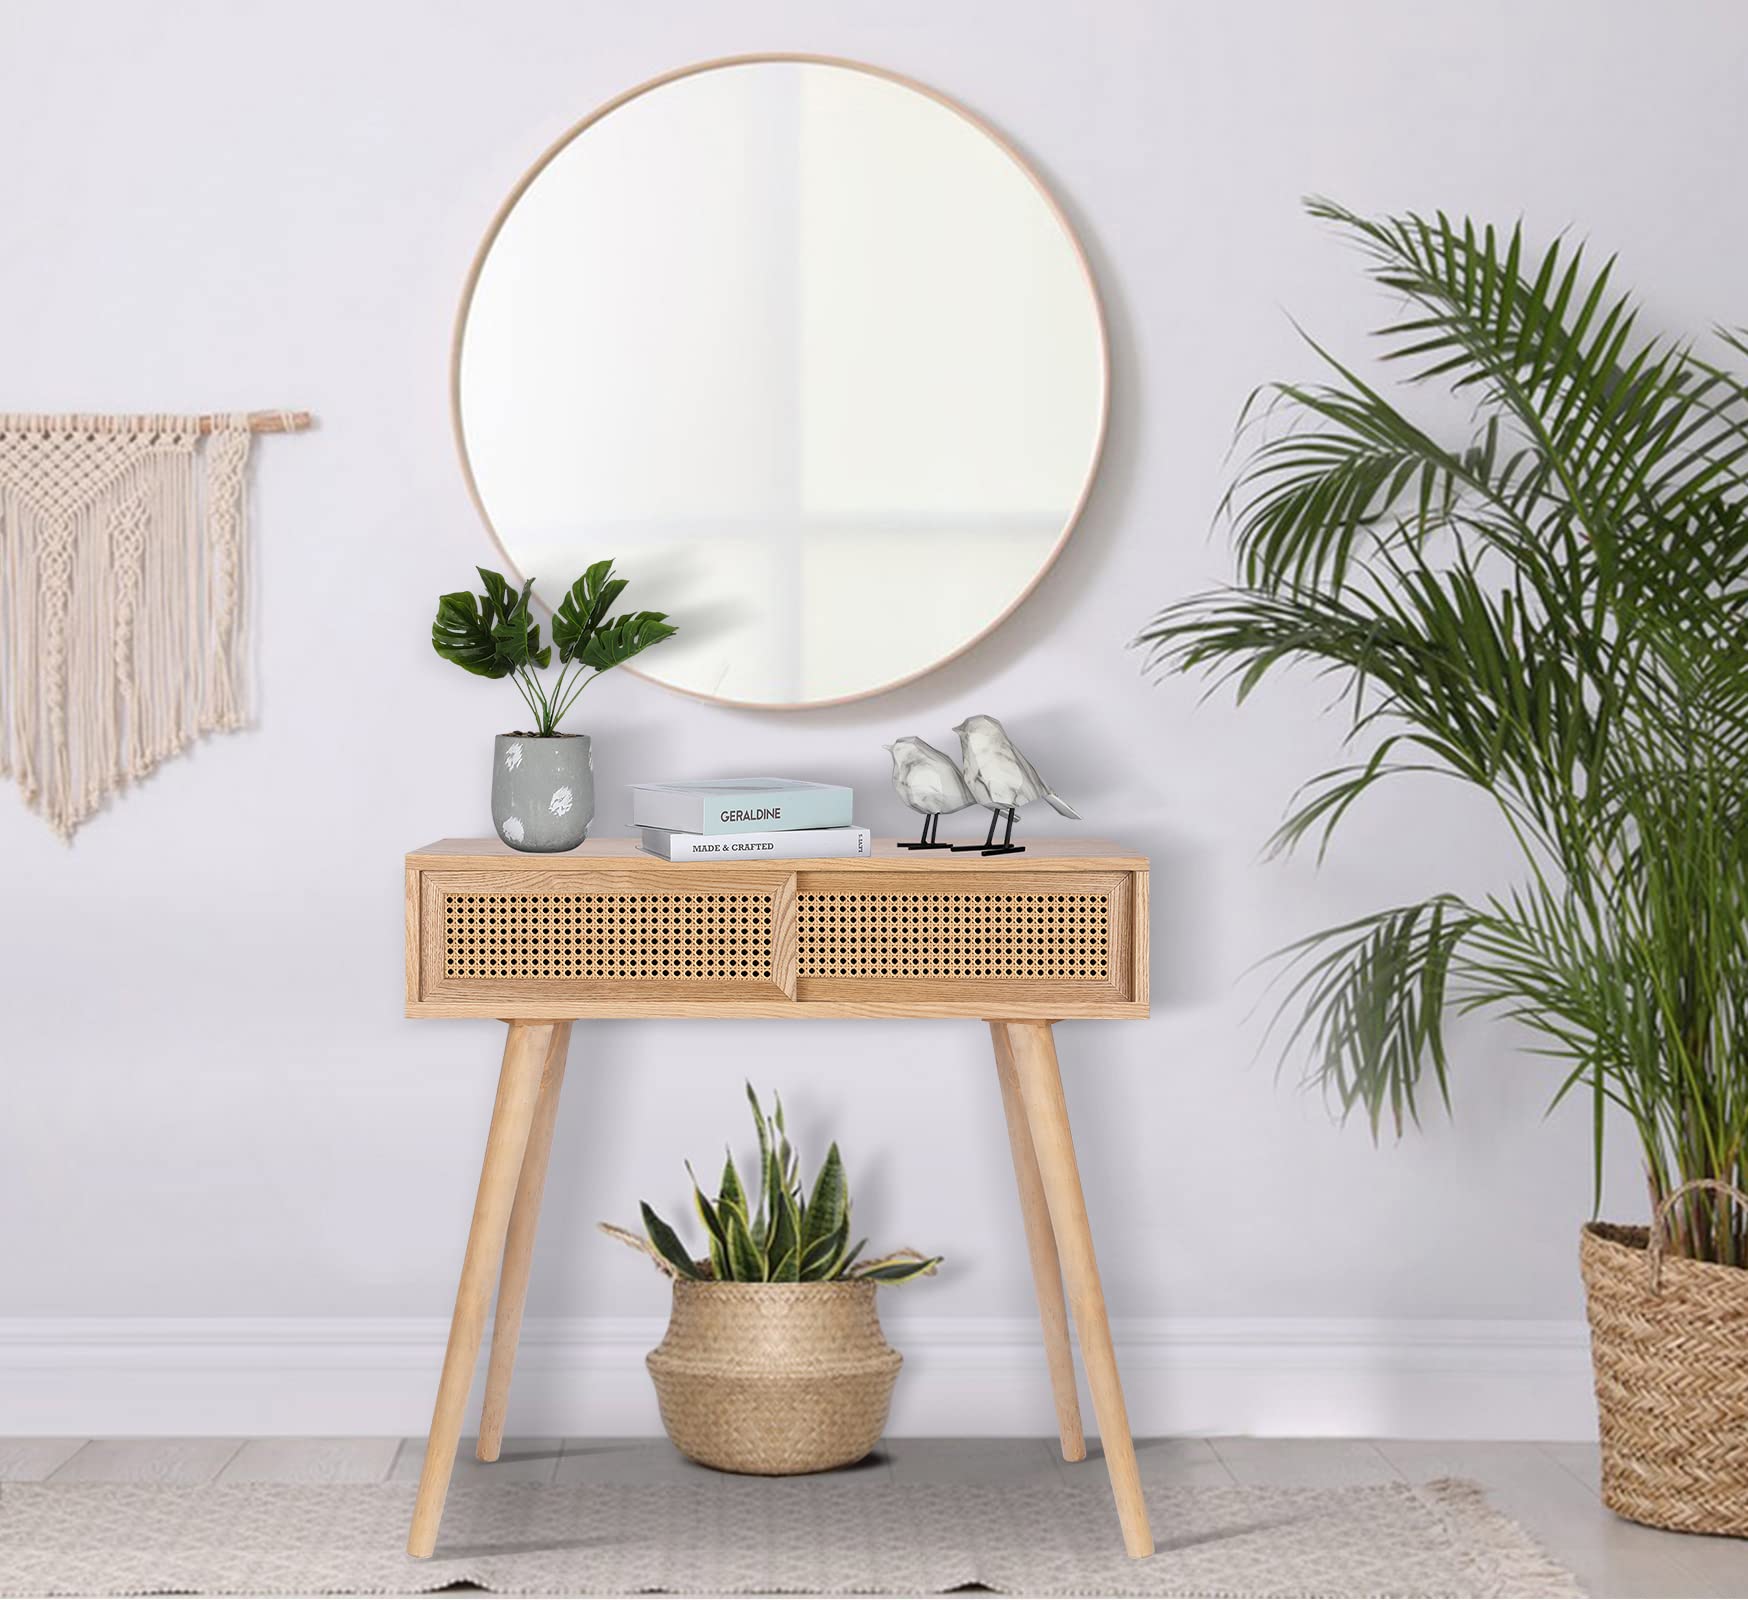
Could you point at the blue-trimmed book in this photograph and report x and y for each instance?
(741, 805)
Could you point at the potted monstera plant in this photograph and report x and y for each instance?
(1552, 609)
(543, 783)
(774, 1361)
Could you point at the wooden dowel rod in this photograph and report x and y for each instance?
(265, 422)
(94, 422)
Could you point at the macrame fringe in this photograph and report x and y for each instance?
(122, 600)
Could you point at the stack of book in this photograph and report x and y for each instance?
(741, 819)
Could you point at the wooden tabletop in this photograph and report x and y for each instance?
(1089, 855)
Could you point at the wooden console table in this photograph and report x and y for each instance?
(539, 941)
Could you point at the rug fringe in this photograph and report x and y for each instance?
(1520, 1565)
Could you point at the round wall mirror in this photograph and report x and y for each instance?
(809, 350)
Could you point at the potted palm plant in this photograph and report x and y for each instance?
(774, 1361)
(1552, 609)
(543, 781)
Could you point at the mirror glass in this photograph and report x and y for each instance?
(809, 351)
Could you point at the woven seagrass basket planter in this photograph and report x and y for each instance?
(1669, 1342)
(774, 1378)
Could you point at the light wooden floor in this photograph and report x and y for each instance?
(1550, 1488)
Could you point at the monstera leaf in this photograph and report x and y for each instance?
(624, 637)
(515, 632)
(517, 638)
(584, 608)
(491, 634)
(463, 635)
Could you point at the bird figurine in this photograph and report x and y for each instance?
(1000, 777)
(928, 780)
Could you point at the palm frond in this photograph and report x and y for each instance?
(1618, 420)
(1370, 996)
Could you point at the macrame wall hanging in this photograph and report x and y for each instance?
(122, 602)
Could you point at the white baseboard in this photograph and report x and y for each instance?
(1285, 1376)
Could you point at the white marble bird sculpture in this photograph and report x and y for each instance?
(928, 780)
(1000, 777)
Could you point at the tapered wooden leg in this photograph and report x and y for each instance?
(519, 1247)
(1040, 1081)
(525, 1054)
(1041, 1246)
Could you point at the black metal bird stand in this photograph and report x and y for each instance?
(989, 847)
(931, 826)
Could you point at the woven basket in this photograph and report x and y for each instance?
(774, 1378)
(1669, 1342)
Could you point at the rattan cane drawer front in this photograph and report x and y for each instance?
(936, 933)
(1010, 935)
(558, 935)
(614, 937)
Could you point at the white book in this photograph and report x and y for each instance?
(789, 844)
(741, 805)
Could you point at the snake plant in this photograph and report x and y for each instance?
(1552, 609)
(792, 1236)
(494, 635)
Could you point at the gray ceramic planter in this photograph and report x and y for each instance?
(543, 790)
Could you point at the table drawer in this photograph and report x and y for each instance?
(1008, 935)
(703, 935)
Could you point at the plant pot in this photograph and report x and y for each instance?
(543, 790)
(1669, 1343)
(774, 1378)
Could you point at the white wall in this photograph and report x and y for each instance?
(210, 1106)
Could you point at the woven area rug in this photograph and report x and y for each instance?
(763, 1537)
